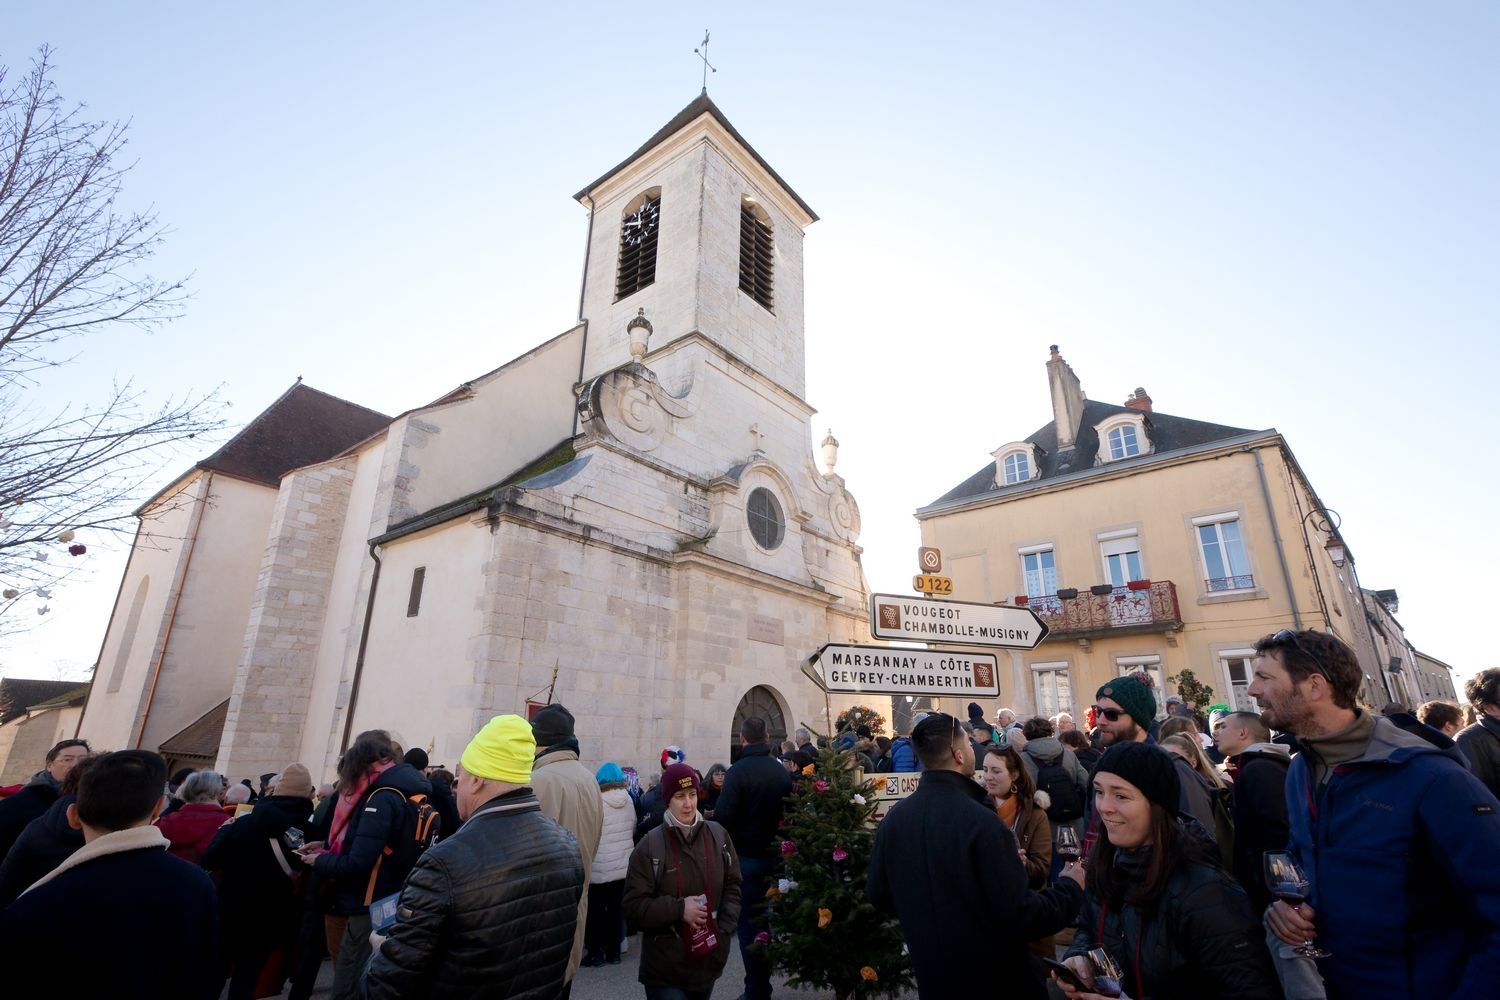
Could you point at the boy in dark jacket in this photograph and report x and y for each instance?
(37, 796)
(127, 887)
(46, 842)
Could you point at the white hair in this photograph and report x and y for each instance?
(201, 786)
(237, 795)
(1005, 712)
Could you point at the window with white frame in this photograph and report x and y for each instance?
(1016, 468)
(1053, 692)
(1039, 569)
(1121, 553)
(1225, 565)
(1123, 442)
(1126, 665)
(1236, 667)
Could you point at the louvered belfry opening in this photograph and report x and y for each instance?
(638, 257)
(756, 273)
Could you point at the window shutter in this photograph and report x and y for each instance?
(637, 261)
(414, 600)
(756, 273)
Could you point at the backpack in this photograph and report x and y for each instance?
(1067, 800)
(420, 825)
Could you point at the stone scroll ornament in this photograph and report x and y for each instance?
(636, 409)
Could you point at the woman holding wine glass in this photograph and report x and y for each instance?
(1022, 807)
(1161, 920)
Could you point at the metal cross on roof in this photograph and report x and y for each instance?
(702, 53)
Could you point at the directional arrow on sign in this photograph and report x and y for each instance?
(958, 623)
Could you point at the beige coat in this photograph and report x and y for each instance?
(569, 794)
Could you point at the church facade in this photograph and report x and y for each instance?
(627, 519)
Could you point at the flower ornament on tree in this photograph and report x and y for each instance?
(840, 855)
(858, 799)
(820, 786)
(762, 938)
(825, 917)
(66, 536)
(77, 550)
(868, 974)
(788, 849)
(10, 593)
(43, 610)
(40, 557)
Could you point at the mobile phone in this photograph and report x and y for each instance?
(1067, 975)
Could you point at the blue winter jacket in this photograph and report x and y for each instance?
(1401, 847)
(904, 755)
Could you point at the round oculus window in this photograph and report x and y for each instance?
(767, 525)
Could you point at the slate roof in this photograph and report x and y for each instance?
(201, 736)
(305, 426)
(20, 694)
(700, 105)
(1167, 433)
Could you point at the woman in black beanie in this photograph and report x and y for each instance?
(1158, 900)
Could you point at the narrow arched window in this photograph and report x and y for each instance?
(757, 273)
(639, 228)
(1017, 468)
(1123, 442)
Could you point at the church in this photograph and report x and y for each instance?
(628, 519)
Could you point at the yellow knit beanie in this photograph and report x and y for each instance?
(502, 751)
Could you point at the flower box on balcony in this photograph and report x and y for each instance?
(1067, 593)
(1139, 585)
(1021, 600)
(1100, 589)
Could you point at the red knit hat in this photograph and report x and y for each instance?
(679, 778)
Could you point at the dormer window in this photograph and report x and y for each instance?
(757, 274)
(1123, 443)
(1122, 436)
(639, 227)
(1014, 463)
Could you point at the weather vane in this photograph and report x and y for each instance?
(702, 53)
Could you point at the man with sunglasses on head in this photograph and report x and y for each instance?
(1125, 708)
(948, 868)
(1397, 838)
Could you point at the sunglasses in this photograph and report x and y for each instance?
(1287, 637)
(1112, 714)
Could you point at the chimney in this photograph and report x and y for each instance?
(1067, 400)
(1139, 400)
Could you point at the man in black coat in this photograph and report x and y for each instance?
(46, 842)
(1259, 768)
(488, 913)
(37, 797)
(947, 866)
(750, 808)
(133, 894)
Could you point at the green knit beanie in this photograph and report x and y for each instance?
(1133, 696)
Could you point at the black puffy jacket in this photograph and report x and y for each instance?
(1200, 940)
(46, 843)
(488, 913)
(17, 811)
(751, 804)
(378, 822)
(1481, 746)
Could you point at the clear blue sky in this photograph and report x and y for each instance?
(1269, 215)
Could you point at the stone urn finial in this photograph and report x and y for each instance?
(639, 329)
(830, 453)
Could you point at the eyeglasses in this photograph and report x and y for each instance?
(1112, 714)
(1286, 635)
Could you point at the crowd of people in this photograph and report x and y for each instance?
(1317, 849)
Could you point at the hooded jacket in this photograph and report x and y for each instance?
(1260, 821)
(256, 895)
(667, 866)
(378, 822)
(1400, 846)
(950, 872)
(616, 841)
(1481, 745)
(904, 756)
(46, 843)
(18, 810)
(1200, 939)
(487, 913)
(569, 794)
(1049, 750)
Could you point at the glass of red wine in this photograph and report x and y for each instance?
(1288, 883)
(1067, 844)
(1106, 973)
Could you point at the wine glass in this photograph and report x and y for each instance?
(1290, 884)
(1106, 973)
(1067, 843)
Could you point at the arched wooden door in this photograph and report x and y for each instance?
(759, 701)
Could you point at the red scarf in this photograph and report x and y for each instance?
(343, 809)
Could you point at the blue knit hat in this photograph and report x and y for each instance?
(609, 773)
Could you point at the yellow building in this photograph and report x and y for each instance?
(1147, 542)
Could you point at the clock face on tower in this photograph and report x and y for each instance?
(641, 224)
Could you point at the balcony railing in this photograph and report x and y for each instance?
(1149, 608)
(1223, 583)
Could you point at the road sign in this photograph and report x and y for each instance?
(929, 559)
(920, 619)
(870, 669)
(928, 584)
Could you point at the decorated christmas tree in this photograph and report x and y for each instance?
(821, 931)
